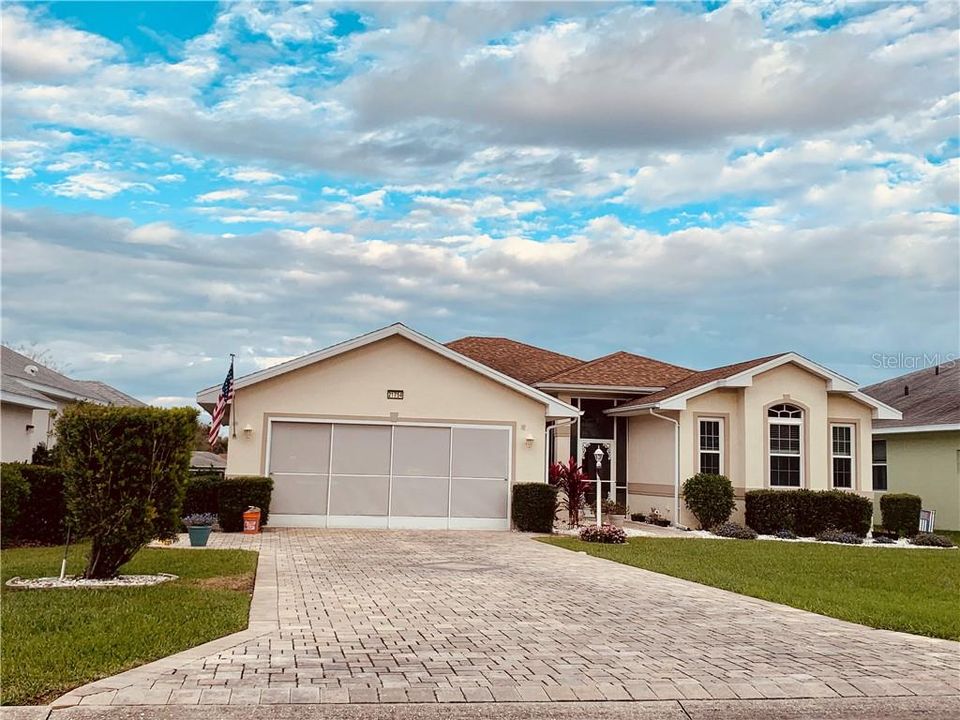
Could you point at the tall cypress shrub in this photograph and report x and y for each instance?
(125, 470)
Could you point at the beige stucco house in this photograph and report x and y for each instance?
(395, 430)
(30, 396)
(920, 453)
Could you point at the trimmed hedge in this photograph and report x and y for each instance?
(34, 507)
(236, 494)
(201, 494)
(901, 513)
(534, 507)
(808, 512)
(769, 511)
(709, 498)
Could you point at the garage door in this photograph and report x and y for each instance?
(389, 476)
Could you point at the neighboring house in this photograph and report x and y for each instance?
(920, 453)
(30, 396)
(393, 429)
(202, 461)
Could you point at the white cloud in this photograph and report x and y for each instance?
(16, 174)
(371, 199)
(96, 185)
(252, 175)
(48, 50)
(220, 195)
(282, 196)
(171, 178)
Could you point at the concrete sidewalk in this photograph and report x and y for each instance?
(945, 708)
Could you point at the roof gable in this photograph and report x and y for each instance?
(620, 369)
(526, 363)
(741, 375)
(555, 407)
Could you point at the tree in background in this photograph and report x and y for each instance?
(200, 441)
(125, 471)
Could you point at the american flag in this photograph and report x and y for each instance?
(225, 396)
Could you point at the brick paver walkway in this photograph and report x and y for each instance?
(368, 616)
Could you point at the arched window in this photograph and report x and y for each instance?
(786, 445)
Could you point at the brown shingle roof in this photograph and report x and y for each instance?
(526, 363)
(697, 379)
(934, 397)
(621, 369)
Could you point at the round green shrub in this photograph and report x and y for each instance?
(124, 468)
(709, 498)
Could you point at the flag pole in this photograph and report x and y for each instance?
(233, 399)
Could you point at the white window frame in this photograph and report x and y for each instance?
(875, 464)
(718, 451)
(852, 457)
(771, 421)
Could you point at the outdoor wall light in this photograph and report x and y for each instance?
(247, 430)
(528, 441)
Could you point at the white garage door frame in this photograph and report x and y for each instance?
(390, 521)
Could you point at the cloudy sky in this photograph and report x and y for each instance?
(702, 183)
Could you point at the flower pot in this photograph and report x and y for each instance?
(199, 534)
(617, 520)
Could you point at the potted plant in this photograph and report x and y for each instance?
(656, 518)
(614, 513)
(199, 526)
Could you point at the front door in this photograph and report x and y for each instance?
(588, 461)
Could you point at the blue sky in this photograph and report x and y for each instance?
(701, 183)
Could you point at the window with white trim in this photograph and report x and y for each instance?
(841, 455)
(879, 464)
(710, 446)
(786, 445)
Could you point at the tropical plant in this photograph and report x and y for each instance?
(573, 483)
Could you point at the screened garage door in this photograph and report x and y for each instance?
(389, 476)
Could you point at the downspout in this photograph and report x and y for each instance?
(546, 449)
(676, 467)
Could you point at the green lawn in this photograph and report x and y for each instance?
(56, 640)
(916, 591)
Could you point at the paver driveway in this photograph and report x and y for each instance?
(368, 616)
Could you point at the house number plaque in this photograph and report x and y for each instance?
(394, 394)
